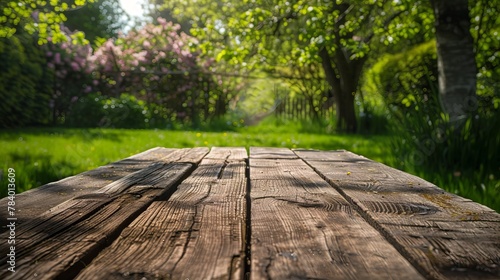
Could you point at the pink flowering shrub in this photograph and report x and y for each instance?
(156, 64)
(72, 67)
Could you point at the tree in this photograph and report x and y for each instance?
(456, 59)
(337, 34)
(42, 17)
(154, 11)
(101, 19)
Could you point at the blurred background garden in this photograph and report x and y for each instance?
(414, 84)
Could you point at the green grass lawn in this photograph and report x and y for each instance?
(42, 155)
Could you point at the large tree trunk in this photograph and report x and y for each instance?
(343, 77)
(346, 115)
(456, 62)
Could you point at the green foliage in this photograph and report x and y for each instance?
(461, 159)
(259, 97)
(406, 78)
(486, 32)
(42, 17)
(95, 110)
(405, 83)
(272, 35)
(161, 65)
(373, 118)
(100, 19)
(25, 83)
(284, 33)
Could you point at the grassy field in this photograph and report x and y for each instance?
(42, 155)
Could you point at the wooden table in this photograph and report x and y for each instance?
(276, 214)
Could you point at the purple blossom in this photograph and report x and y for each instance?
(155, 50)
(75, 66)
(57, 58)
(162, 21)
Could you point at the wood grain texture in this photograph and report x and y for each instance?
(61, 242)
(303, 229)
(87, 203)
(276, 169)
(445, 236)
(229, 153)
(65, 242)
(189, 155)
(197, 234)
(271, 153)
(38, 240)
(33, 202)
(309, 215)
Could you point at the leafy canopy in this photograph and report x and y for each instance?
(44, 17)
(253, 32)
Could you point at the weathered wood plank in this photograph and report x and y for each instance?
(214, 168)
(444, 235)
(41, 240)
(189, 155)
(365, 221)
(229, 153)
(303, 229)
(35, 224)
(276, 169)
(69, 243)
(36, 201)
(197, 234)
(271, 153)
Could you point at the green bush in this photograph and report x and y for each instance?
(373, 117)
(406, 79)
(25, 84)
(95, 110)
(408, 83)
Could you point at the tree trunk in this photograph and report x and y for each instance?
(456, 61)
(345, 113)
(344, 85)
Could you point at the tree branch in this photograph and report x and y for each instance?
(386, 23)
(290, 15)
(344, 14)
(331, 76)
